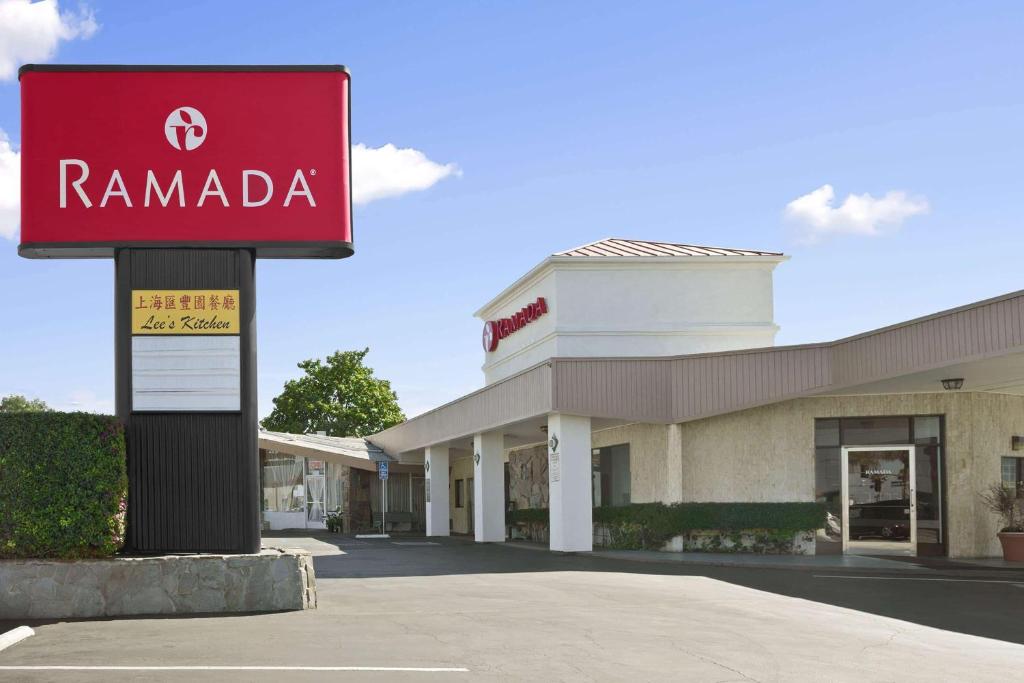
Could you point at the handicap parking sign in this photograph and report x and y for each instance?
(382, 470)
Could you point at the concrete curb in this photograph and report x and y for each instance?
(797, 563)
(15, 635)
(904, 568)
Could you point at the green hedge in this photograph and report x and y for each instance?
(63, 486)
(652, 524)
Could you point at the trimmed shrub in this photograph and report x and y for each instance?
(63, 485)
(650, 525)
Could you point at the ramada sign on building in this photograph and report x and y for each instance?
(184, 175)
(496, 330)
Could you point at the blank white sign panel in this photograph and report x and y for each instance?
(186, 373)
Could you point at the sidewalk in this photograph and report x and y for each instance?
(765, 561)
(921, 566)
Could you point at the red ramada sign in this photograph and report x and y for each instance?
(241, 157)
(496, 330)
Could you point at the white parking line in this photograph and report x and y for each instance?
(15, 635)
(414, 543)
(914, 578)
(387, 669)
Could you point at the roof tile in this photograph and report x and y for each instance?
(614, 246)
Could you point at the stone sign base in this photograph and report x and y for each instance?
(274, 580)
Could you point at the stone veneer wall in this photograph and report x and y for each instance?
(528, 477)
(271, 581)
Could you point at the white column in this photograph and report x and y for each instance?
(489, 487)
(435, 466)
(569, 478)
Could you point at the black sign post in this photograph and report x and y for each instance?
(193, 474)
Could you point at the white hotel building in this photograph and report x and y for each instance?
(652, 375)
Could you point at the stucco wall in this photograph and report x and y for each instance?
(974, 465)
(637, 307)
(767, 454)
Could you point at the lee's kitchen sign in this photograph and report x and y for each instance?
(496, 330)
(240, 157)
(185, 311)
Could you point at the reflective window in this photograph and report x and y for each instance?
(335, 487)
(283, 489)
(1012, 473)
(926, 429)
(610, 476)
(826, 433)
(925, 432)
(874, 431)
(929, 493)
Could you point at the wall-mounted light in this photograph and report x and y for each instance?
(953, 383)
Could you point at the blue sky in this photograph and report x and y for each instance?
(569, 122)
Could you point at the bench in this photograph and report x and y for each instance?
(397, 521)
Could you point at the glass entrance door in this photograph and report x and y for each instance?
(879, 501)
(315, 489)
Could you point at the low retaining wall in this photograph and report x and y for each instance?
(274, 580)
(751, 541)
(754, 541)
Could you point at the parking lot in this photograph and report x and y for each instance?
(412, 609)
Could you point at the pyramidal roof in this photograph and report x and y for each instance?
(614, 246)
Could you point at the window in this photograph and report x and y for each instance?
(460, 492)
(611, 483)
(924, 432)
(283, 490)
(1013, 473)
(335, 487)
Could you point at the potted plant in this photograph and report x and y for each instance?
(335, 522)
(1004, 502)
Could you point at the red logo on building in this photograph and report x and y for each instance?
(496, 330)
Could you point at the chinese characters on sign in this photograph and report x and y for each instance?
(185, 311)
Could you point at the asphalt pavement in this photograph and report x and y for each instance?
(413, 609)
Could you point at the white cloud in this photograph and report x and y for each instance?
(31, 31)
(10, 187)
(380, 172)
(86, 401)
(860, 214)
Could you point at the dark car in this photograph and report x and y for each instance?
(886, 519)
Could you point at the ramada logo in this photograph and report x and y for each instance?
(496, 330)
(185, 128)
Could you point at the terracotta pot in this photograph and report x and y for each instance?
(1013, 545)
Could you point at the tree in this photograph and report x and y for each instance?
(340, 397)
(16, 403)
